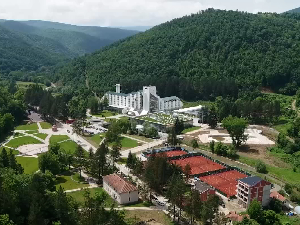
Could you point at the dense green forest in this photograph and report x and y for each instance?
(29, 45)
(297, 10)
(208, 54)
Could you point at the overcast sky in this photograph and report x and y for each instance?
(127, 12)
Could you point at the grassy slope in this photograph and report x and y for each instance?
(29, 164)
(285, 174)
(15, 143)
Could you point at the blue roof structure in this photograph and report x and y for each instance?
(251, 181)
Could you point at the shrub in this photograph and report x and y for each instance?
(288, 188)
(261, 167)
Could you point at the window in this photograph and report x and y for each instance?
(129, 198)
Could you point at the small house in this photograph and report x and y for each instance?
(121, 190)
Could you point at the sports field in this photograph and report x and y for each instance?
(198, 164)
(225, 182)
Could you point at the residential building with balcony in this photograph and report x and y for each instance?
(251, 188)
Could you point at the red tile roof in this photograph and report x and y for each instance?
(233, 216)
(278, 196)
(119, 184)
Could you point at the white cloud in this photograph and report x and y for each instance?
(126, 12)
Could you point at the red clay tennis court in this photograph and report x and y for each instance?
(198, 164)
(225, 182)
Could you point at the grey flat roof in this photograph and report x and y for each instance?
(201, 186)
(251, 180)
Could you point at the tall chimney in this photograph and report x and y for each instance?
(118, 88)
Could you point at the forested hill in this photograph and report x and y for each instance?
(212, 53)
(19, 51)
(54, 42)
(297, 10)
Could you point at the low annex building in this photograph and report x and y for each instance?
(204, 190)
(120, 189)
(142, 102)
(251, 188)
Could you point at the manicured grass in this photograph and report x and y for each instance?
(69, 146)
(190, 129)
(79, 196)
(142, 138)
(26, 140)
(58, 138)
(97, 138)
(32, 126)
(29, 164)
(67, 183)
(32, 132)
(128, 143)
(106, 113)
(15, 152)
(45, 125)
(41, 135)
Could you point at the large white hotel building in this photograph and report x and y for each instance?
(142, 102)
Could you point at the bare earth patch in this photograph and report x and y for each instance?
(260, 152)
(153, 217)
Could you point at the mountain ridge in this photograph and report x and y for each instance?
(204, 55)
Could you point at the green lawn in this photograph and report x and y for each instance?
(41, 135)
(45, 125)
(15, 152)
(79, 196)
(142, 138)
(17, 142)
(32, 132)
(69, 146)
(29, 164)
(58, 138)
(32, 126)
(128, 143)
(96, 139)
(106, 113)
(67, 183)
(190, 129)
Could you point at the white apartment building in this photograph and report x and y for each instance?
(120, 189)
(142, 102)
